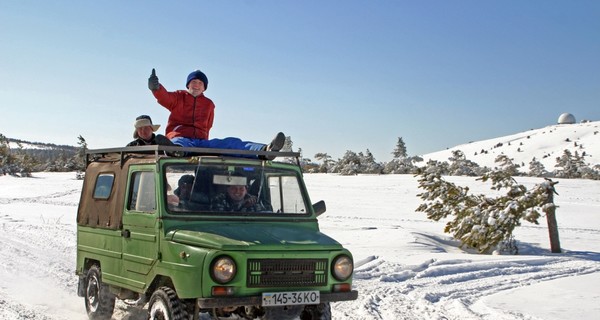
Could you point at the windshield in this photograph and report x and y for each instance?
(233, 189)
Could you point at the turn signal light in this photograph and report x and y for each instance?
(342, 287)
(221, 291)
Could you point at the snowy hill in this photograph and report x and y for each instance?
(545, 144)
(28, 146)
(15, 144)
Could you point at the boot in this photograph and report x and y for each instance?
(274, 146)
(277, 142)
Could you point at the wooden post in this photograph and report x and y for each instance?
(551, 219)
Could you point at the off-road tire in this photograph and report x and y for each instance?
(321, 311)
(99, 301)
(165, 305)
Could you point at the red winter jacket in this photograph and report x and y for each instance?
(191, 117)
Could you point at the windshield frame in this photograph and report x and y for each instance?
(208, 199)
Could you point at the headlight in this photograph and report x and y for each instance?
(223, 269)
(342, 267)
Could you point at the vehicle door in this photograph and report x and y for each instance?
(140, 225)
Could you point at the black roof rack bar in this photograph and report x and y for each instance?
(190, 151)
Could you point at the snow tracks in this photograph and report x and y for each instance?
(448, 289)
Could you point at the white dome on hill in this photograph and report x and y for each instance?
(566, 118)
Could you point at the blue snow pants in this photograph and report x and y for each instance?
(227, 143)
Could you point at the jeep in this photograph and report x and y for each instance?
(193, 231)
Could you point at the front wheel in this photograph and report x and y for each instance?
(165, 305)
(99, 301)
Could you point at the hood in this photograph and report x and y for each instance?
(240, 236)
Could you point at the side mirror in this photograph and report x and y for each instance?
(319, 208)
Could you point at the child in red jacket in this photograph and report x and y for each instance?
(192, 116)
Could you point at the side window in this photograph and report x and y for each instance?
(142, 193)
(286, 196)
(104, 185)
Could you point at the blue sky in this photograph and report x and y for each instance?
(333, 75)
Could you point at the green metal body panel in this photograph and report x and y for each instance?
(254, 236)
(100, 245)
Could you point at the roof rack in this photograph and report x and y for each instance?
(177, 151)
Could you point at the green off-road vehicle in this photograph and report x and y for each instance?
(208, 233)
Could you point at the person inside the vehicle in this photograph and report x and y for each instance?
(172, 199)
(188, 199)
(236, 198)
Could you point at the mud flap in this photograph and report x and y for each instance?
(81, 286)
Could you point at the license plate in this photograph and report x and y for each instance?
(290, 298)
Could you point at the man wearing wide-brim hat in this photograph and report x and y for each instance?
(144, 133)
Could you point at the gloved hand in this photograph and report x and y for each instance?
(153, 81)
(252, 200)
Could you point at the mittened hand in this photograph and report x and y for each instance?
(153, 81)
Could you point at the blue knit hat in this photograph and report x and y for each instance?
(197, 75)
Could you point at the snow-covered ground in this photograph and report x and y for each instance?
(406, 267)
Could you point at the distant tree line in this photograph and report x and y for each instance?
(356, 163)
(22, 161)
(570, 165)
(60, 158)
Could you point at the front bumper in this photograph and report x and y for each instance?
(221, 302)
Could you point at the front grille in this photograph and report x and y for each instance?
(287, 272)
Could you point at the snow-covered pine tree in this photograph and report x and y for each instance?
(460, 166)
(579, 163)
(573, 166)
(26, 161)
(64, 163)
(78, 163)
(4, 154)
(402, 166)
(592, 173)
(584, 171)
(4, 147)
(8, 162)
(479, 221)
(349, 164)
(400, 150)
(401, 163)
(537, 169)
(369, 165)
(393, 167)
(566, 167)
(326, 162)
(506, 164)
(288, 147)
(436, 166)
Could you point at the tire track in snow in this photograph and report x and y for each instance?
(41, 261)
(431, 289)
(53, 199)
(13, 310)
(46, 250)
